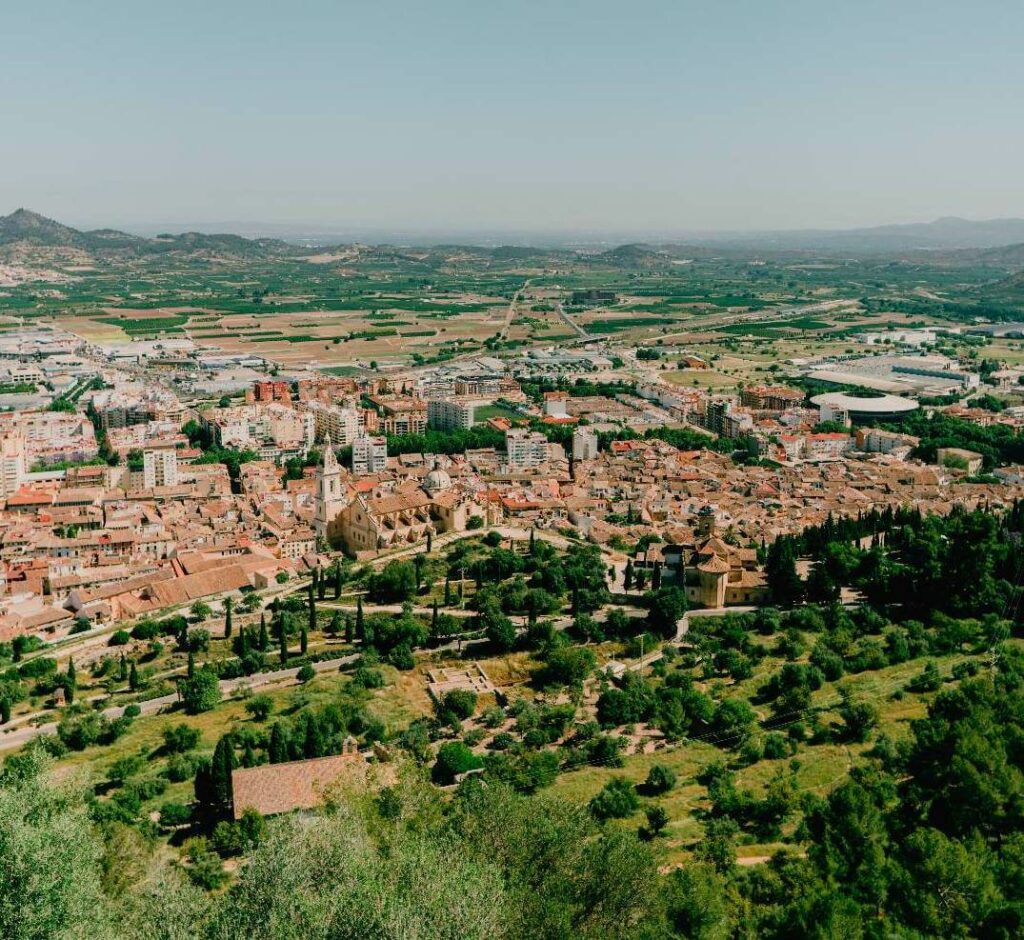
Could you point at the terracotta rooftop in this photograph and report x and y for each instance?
(281, 788)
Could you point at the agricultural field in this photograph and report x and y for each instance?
(350, 306)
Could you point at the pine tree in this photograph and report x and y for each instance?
(191, 664)
(360, 624)
(133, 678)
(278, 749)
(264, 640)
(228, 605)
(303, 641)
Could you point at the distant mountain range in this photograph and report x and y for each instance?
(32, 230)
(999, 242)
(945, 234)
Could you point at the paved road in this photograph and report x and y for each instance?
(570, 322)
(511, 312)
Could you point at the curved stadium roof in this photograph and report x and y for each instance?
(856, 404)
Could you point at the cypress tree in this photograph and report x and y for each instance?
(360, 625)
(264, 640)
(627, 575)
(533, 540)
(321, 584)
(72, 677)
(312, 615)
(133, 678)
(221, 790)
(5, 710)
(433, 621)
(656, 578)
(348, 628)
(314, 744)
(303, 641)
(338, 576)
(447, 591)
(243, 643)
(123, 671)
(430, 541)
(284, 641)
(228, 605)
(191, 664)
(278, 749)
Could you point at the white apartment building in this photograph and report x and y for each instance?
(451, 414)
(274, 431)
(12, 463)
(52, 436)
(584, 444)
(525, 448)
(877, 441)
(369, 454)
(159, 467)
(338, 423)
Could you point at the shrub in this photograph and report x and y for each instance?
(119, 638)
(617, 800)
(401, 657)
(306, 673)
(182, 737)
(502, 741)
(776, 746)
(460, 701)
(175, 814)
(180, 767)
(453, 758)
(201, 692)
(260, 707)
(660, 779)
(368, 678)
(145, 630)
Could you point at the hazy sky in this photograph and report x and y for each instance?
(439, 115)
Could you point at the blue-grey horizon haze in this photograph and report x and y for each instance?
(567, 117)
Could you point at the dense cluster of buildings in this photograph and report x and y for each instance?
(109, 509)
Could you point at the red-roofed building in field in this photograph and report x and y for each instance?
(302, 784)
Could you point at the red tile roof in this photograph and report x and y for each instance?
(281, 788)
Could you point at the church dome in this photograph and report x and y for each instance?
(436, 481)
